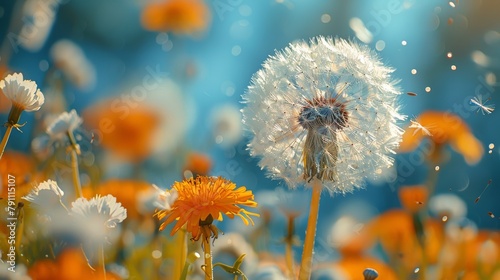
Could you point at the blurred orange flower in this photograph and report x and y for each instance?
(203, 199)
(396, 233)
(178, 16)
(127, 192)
(127, 131)
(198, 164)
(413, 198)
(5, 103)
(70, 265)
(19, 166)
(442, 128)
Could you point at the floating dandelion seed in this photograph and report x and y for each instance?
(411, 93)
(427, 89)
(436, 168)
(449, 55)
(453, 67)
(418, 127)
(309, 117)
(478, 101)
(404, 43)
(491, 146)
(479, 197)
(452, 4)
(414, 71)
(491, 215)
(444, 218)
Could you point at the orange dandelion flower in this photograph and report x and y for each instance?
(128, 133)
(442, 128)
(178, 16)
(413, 198)
(198, 164)
(203, 199)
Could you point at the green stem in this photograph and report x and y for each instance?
(307, 253)
(5, 139)
(288, 247)
(209, 271)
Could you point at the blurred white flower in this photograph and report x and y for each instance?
(167, 98)
(449, 205)
(21, 273)
(42, 14)
(71, 59)
(23, 94)
(328, 110)
(95, 218)
(344, 230)
(45, 196)
(156, 198)
(226, 125)
(65, 123)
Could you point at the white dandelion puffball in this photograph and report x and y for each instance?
(65, 123)
(95, 218)
(23, 94)
(325, 110)
(156, 198)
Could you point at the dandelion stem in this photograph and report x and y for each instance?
(208, 258)
(102, 260)
(5, 139)
(76, 174)
(181, 244)
(288, 247)
(306, 263)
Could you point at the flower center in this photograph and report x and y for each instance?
(322, 112)
(322, 117)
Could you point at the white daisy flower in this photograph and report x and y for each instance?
(22, 93)
(226, 125)
(95, 218)
(65, 123)
(71, 59)
(323, 110)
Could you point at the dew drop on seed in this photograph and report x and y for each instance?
(207, 256)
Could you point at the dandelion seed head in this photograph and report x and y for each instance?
(327, 109)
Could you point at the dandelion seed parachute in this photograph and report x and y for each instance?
(327, 109)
